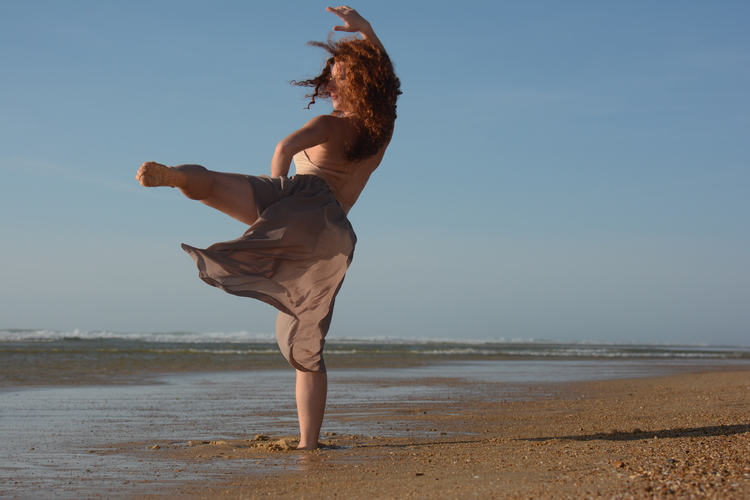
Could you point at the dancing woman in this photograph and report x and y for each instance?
(300, 243)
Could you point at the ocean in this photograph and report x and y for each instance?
(60, 357)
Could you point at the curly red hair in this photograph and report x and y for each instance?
(370, 91)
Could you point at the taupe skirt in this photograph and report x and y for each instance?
(294, 257)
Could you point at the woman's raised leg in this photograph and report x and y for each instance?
(228, 193)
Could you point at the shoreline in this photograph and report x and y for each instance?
(406, 433)
(62, 370)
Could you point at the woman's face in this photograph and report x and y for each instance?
(335, 86)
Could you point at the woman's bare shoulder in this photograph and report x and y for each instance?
(335, 127)
(329, 121)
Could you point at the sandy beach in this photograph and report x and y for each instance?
(679, 430)
(685, 436)
(678, 436)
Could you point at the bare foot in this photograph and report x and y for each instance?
(152, 174)
(309, 447)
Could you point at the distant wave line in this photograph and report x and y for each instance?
(432, 346)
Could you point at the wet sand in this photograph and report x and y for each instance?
(413, 436)
(685, 436)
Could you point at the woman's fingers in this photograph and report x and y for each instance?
(352, 20)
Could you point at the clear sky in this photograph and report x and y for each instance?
(573, 171)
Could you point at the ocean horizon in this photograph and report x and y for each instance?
(421, 344)
(76, 357)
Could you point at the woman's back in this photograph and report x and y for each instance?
(347, 179)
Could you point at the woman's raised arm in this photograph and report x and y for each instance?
(354, 22)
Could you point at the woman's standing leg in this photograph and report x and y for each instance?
(231, 194)
(312, 388)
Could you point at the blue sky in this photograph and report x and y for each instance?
(572, 171)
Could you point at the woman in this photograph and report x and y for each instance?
(299, 245)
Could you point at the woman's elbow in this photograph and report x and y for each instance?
(281, 149)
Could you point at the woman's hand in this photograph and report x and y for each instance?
(353, 23)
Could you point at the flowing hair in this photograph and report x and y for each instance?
(370, 91)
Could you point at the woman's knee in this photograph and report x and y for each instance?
(200, 182)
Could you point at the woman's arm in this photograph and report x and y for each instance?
(353, 22)
(314, 132)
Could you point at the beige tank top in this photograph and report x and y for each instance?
(304, 166)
